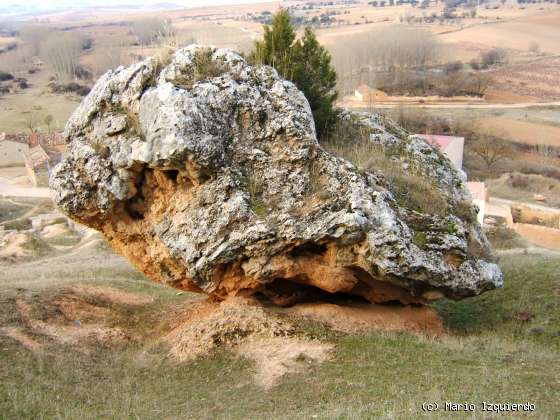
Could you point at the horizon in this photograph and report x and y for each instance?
(21, 8)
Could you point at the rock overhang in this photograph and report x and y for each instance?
(217, 183)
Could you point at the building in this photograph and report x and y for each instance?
(366, 94)
(39, 161)
(451, 146)
(479, 195)
(13, 148)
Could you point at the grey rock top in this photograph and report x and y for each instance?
(206, 173)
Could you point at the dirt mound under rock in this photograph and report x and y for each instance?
(362, 317)
(210, 325)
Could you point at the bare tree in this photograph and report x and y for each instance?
(31, 121)
(110, 54)
(62, 51)
(33, 35)
(361, 58)
(491, 148)
(149, 30)
(48, 120)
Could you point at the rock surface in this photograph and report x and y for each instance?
(206, 173)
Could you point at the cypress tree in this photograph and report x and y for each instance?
(304, 62)
(275, 49)
(316, 78)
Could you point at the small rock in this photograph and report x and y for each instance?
(539, 197)
(524, 316)
(536, 330)
(507, 358)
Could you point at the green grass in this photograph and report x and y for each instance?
(489, 355)
(12, 210)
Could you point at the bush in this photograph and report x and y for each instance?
(22, 83)
(494, 57)
(502, 237)
(454, 66)
(19, 224)
(204, 66)
(475, 64)
(72, 87)
(5, 76)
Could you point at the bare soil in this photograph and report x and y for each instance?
(360, 317)
(278, 356)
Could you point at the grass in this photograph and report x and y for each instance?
(410, 188)
(10, 210)
(489, 355)
(254, 188)
(521, 187)
(502, 237)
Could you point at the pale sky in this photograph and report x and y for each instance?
(77, 3)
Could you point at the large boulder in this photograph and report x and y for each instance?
(205, 172)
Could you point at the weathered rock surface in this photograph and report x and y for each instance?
(211, 179)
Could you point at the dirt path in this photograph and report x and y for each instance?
(530, 250)
(495, 200)
(7, 189)
(457, 105)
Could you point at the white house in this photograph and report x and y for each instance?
(364, 93)
(13, 149)
(479, 195)
(451, 146)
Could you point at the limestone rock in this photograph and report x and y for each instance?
(206, 173)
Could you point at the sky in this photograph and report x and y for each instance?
(74, 3)
(30, 6)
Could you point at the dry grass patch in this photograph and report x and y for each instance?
(278, 356)
(409, 187)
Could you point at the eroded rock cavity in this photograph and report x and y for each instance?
(206, 173)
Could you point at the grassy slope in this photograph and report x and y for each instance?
(490, 356)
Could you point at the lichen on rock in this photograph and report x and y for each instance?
(211, 179)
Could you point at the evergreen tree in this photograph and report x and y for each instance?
(304, 62)
(276, 47)
(314, 75)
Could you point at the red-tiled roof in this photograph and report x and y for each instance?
(16, 138)
(33, 139)
(438, 141)
(36, 156)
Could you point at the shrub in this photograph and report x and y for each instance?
(475, 64)
(493, 57)
(19, 224)
(204, 66)
(71, 87)
(502, 237)
(22, 83)
(454, 66)
(5, 76)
